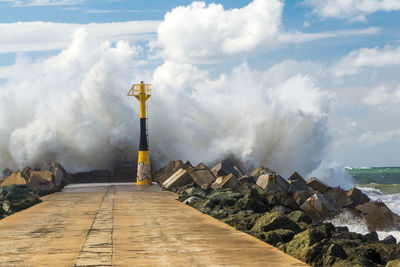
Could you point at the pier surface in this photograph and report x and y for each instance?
(126, 225)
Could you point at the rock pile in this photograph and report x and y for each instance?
(46, 179)
(21, 189)
(15, 198)
(291, 214)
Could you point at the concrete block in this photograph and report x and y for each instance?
(317, 185)
(202, 176)
(169, 169)
(296, 177)
(42, 180)
(14, 178)
(259, 171)
(338, 198)
(357, 196)
(273, 182)
(317, 207)
(225, 168)
(228, 181)
(178, 179)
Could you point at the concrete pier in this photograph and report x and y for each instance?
(126, 225)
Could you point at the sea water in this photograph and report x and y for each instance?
(380, 184)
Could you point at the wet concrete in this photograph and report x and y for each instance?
(126, 225)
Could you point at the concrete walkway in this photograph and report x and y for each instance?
(126, 225)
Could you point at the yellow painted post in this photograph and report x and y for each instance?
(142, 92)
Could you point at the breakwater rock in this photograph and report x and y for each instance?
(291, 214)
(15, 198)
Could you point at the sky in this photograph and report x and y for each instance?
(307, 83)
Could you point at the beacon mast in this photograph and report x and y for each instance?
(142, 92)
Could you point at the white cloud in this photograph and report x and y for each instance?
(382, 96)
(362, 58)
(300, 37)
(203, 33)
(42, 36)
(371, 138)
(23, 3)
(353, 10)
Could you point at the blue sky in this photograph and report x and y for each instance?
(347, 51)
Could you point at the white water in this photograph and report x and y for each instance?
(357, 225)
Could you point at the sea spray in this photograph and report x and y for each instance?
(72, 108)
(355, 224)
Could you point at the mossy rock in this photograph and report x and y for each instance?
(191, 190)
(395, 263)
(274, 237)
(250, 203)
(345, 263)
(306, 247)
(298, 216)
(310, 245)
(333, 254)
(365, 256)
(224, 198)
(346, 244)
(273, 199)
(224, 212)
(243, 220)
(387, 252)
(274, 220)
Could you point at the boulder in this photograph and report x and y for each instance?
(191, 200)
(334, 254)
(378, 216)
(17, 198)
(301, 195)
(338, 198)
(224, 168)
(317, 207)
(307, 246)
(14, 178)
(178, 179)
(173, 166)
(386, 252)
(275, 236)
(202, 176)
(390, 240)
(366, 255)
(224, 198)
(259, 171)
(250, 203)
(273, 182)
(317, 185)
(357, 196)
(228, 181)
(298, 216)
(43, 180)
(272, 199)
(371, 237)
(394, 263)
(243, 220)
(274, 220)
(281, 209)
